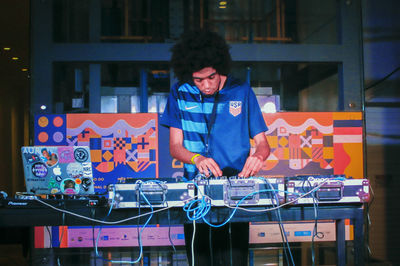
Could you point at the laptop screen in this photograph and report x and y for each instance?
(58, 170)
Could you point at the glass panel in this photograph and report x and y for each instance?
(120, 74)
(269, 104)
(157, 102)
(290, 86)
(71, 87)
(122, 79)
(314, 21)
(108, 104)
(247, 21)
(240, 21)
(159, 86)
(120, 99)
(71, 20)
(299, 87)
(261, 21)
(135, 104)
(134, 20)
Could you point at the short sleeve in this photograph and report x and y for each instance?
(171, 115)
(256, 119)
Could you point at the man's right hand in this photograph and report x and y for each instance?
(205, 165)
(179, 152)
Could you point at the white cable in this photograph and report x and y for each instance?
(282, 205)
(194, 232)
(166, 208)
(106, 222)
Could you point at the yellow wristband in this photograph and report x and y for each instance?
(194, 156)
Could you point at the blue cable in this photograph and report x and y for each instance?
(234, 210)
(101, 227)
(199, 208)
(140, 232)
(315, 205)
(282, 229)
(315, 229)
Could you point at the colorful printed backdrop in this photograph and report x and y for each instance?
(314, 143)
(126, 145)
(121, 145)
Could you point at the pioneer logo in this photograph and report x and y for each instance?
(12, 203)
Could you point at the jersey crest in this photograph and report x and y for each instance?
(235, 108)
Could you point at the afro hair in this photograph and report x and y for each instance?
(197, 50)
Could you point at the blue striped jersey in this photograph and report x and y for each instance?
(237, 119)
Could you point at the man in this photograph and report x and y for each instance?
(211, 117)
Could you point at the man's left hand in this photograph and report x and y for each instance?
(253, 164)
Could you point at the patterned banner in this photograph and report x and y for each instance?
(121, 145)
(314, 143)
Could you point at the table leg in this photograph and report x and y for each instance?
(359, 239)
(340, 243)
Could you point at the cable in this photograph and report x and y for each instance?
(284, 204)
(159, 183)
(192, 244)
(384, 78)
(281, 227)
(192, 214)
(61, 237)
(169, 231)
(204, 205)
(138, 220)
(230, 243)
(50, 236)
(59, 240)
(139, 237)
(150, 214)
(93, 211)
(99, 232)
(106, 222)
(93, 243)
(187, 207)
(368, 223)
(195, 208)
(199, 208)
(315, 228)
(62, 230)
(237, 207)
(210, 246)
(314, 232)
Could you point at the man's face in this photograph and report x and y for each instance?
(207, 80)
(45, 153)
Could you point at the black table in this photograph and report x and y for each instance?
(28, 213)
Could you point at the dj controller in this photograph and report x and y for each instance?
(218, 192)
(235, 191)
(175, 200)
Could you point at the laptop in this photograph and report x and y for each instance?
(53, 170)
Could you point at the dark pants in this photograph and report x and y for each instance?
(224, 248)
